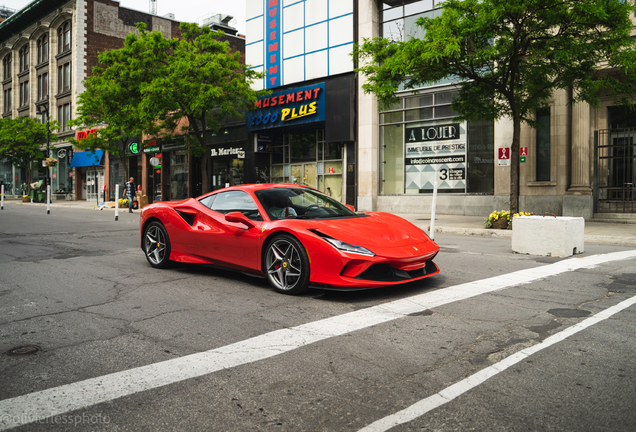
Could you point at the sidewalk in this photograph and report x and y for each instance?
(595, 232)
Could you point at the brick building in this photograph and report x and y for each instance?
(47, 50)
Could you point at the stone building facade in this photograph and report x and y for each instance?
(581, 162)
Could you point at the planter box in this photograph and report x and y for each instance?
(548, 236)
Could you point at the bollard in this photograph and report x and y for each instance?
(48, 199)
(432, 231)
(116, 202)
(2, 199)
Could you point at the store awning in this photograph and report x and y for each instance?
(87, 158)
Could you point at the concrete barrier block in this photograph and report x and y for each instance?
(548, 236)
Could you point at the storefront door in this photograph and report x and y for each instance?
(227, 172)
(94, 183)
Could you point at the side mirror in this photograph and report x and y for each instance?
(239, 217)
(350, 207)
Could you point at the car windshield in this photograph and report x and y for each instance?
(300, 203)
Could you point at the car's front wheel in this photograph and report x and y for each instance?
(157, 245)
(287, 265)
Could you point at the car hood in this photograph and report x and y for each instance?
(372, 230)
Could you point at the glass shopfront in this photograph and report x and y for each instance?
(421, 144)
(115, 176)
(7, 179)
(178, 185)
(62, 175)
(305, 158)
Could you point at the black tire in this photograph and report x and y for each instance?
(286, 265)
(157, 245)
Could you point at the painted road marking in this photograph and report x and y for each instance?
(83, 394)
(449, 393)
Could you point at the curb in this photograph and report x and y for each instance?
(587, 238)
(481, 232)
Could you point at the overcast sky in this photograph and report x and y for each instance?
(183, 10)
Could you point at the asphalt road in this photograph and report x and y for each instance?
(127, 348)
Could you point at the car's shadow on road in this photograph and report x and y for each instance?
(362, 296)
(373, 295)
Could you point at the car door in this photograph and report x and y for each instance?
(230, 243)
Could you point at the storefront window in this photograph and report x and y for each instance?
(481, 162)
(179, 175)
(227, 172)
(153, 188)
(62, 182)
(6, 178)
(429, 146)
(392, 156)
(305, 158)
(116, 176)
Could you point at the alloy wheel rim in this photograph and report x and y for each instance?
(155, 245)
(283, 265)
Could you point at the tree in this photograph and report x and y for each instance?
(508, 58)
(160, 87)
(114, 93)
(21, 139)
(202, 82)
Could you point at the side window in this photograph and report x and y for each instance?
(207, 201)
(236, 201)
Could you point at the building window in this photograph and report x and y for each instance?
(24, 57)
(6, 67)
(63, 116)
(24, 93)
(7, 100)
(420, 144)
(399, 17)
(64, 77)
(43, 48)
(543, 144)
(64, 37)
(43, 85)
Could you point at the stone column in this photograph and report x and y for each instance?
(580, 175)
(368, 142)
(578, 200)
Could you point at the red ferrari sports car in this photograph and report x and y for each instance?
(296, 236)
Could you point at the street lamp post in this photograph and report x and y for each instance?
(43, 108)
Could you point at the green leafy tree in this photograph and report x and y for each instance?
(21, 139)
(201, 84)
(114, 93)
(508, 58)
(161, 87)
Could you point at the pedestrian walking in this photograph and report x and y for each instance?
(129, 192)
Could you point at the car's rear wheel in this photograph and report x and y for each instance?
(157, 245)
(287, 265)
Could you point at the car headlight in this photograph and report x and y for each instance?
(347, 247)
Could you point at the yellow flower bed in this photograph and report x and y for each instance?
(503, 214)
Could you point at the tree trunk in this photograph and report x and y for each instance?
(514, 165)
